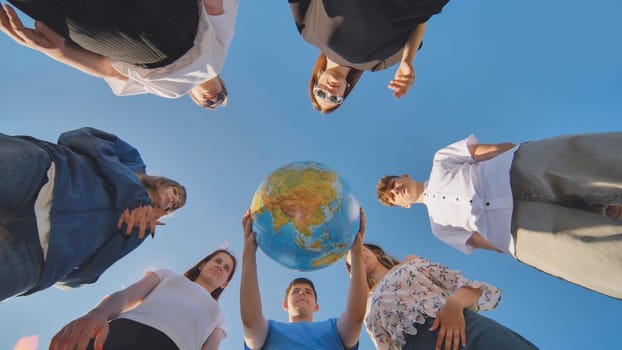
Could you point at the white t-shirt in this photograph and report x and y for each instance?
(202, 62)
(464, 196)
(43, 206)
(181, 309)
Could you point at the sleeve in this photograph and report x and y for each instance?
(224, 24)
(456, 153)
(125, 87)
(452, 280)
(454, 236)
(117, 161)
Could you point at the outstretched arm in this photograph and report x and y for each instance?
(405, 75)
(78, 333)
(481, 152)
(254, 322)
(350, 322)
(47, 41)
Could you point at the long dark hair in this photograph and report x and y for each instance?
(194, 272)
(384, 259)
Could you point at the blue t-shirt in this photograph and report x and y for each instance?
(303, 335)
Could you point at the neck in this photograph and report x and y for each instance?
(300, 318)
(337, 68)
(208, 287)
(418, 190)
(378, 272)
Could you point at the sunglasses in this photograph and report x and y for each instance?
(324, 95)
(219, 100)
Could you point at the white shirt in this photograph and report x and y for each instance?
(43, 206)
(464, 196)
(202, 62)
(181, 309)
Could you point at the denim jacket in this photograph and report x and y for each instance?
(95, 181)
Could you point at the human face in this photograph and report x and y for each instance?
(210, 94)
(217, 270)
(401, 191)
(369, 259)
(300, 300)
(330, 88)
(169, 198)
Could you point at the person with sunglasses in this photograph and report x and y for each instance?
(164, 47)
(70, 210)
(356, 36)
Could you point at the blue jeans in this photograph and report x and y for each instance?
(482, 333)
(23, 170)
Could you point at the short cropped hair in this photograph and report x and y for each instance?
(301, 280)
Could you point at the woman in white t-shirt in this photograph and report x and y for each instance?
(161, 311)
(167, 48)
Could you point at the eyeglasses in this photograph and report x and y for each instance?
(321, 93)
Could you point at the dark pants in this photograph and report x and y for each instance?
(151, 33)
(23, 171)
(482, 334)
(129, 335)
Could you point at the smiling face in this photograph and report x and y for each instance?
(330, 88)
(216, 271)
(168, 197)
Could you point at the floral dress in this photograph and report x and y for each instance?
(412, 291)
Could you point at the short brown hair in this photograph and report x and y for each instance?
(300, 280)
(194, 272)
(320, 65)
(383, 189)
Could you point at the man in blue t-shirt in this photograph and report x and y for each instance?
(301, 303)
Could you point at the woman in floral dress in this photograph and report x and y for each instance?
(418, 304)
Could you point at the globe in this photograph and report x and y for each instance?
(305, 216)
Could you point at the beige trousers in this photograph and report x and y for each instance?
(561, 187)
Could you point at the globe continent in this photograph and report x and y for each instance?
(305, 216)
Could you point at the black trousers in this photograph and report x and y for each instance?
(149, 33)
(129, 335)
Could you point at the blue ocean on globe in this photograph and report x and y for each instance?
(305, 216)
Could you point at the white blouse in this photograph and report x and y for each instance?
(202, 62)
(412, 291)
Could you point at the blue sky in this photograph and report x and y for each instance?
(505, 71)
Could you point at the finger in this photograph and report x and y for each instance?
(48, 33)
(122, 217)
(131, 220)
(100, 337)
(440, 338)
(456, 340)
(434, 325)
(463, 335)
(142, 222)
(15, 23)
(362, 222)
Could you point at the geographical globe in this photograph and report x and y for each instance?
(305, 216)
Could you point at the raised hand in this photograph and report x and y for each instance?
(404, 78)
(78, 333)
(42, 38)
(146, 218)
